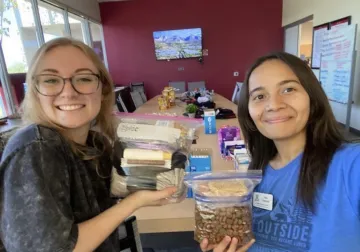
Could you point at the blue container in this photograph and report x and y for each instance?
(199, 161)
(210, 121)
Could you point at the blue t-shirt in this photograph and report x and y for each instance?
(292, 227)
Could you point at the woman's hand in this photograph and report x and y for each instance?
(152, 198)
(226, 245)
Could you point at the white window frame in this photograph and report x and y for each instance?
(102, 41)
(6, 84)
(38, 26)
(66, 21)
(88, 39)
(103, 47)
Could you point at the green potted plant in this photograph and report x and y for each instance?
(191, 110)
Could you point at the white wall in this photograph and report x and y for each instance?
(89, 8)
(325, 11)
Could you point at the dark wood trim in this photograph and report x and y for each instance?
(340, 20)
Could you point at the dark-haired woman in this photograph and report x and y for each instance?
(310, 192)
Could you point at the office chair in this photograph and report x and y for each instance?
(129, 236)
(137, 98)
(140, 87)
(236, 95)
(196, 85)
(123, 99)
(179, 85)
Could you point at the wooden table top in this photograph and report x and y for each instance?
(180, 216)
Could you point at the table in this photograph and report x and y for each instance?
(180, 217)
(10, 125)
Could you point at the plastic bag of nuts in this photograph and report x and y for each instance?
(223, 205)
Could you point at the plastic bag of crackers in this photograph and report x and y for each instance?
(151, 153)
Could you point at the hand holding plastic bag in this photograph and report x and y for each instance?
(151, 153)
(223, 205)
(228, 244)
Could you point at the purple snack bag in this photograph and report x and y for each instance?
(227, 133)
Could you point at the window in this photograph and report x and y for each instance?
(19, 43)
(97, 42)
(77, 27)
(18, 35)
(52, 21)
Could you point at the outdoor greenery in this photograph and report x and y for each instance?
(4, 22)
(18, 67)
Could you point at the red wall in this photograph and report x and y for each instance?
(235, 32)
(17, 81)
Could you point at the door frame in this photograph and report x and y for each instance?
(296, 23)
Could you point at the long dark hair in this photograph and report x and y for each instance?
(323, 136)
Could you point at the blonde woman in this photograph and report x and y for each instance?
(55, 172)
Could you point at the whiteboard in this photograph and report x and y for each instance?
(318, 38)
(317, 73)
(337, 62)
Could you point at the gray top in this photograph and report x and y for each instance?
(46, 190)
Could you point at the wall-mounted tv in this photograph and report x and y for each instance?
(178, 44)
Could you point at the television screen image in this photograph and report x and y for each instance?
(178, 44)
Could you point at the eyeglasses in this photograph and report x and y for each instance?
(53, 85)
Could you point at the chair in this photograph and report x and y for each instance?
(129, 236)
(140, 87)
(124, 100)
(236, 95)
(196, 85)
(179, 85)
(143, 96)
(137, 98)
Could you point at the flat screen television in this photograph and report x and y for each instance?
(178, 44)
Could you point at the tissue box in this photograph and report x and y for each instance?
(241, 158)
(210, 121)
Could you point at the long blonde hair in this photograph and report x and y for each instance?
(32, 112)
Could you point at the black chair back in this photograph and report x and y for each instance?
(129, 236)
(124, 100)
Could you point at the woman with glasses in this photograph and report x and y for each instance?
(55, 172)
